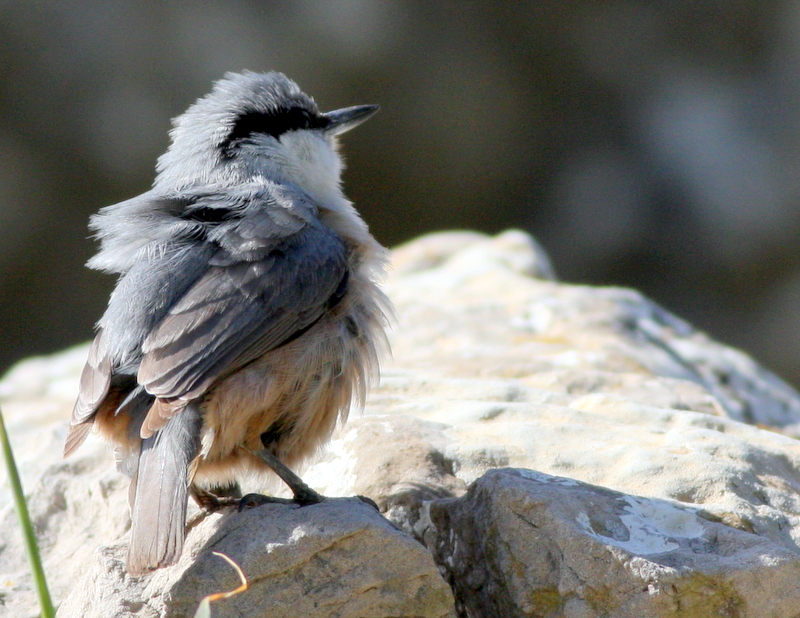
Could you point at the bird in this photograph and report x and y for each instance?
(247, 317)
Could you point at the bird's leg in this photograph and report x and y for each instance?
(303, 494)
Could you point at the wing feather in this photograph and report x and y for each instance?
(239, 311)
(209, 283)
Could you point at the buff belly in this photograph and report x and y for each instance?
(292, 397)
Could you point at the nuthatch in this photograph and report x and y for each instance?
(246, 316)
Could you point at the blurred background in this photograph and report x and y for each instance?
(646, 144)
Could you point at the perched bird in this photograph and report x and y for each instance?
(247, 315)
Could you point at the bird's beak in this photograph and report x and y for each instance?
(342, 120)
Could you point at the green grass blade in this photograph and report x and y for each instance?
(27, 527)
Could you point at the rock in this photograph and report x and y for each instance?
(476, 310)
(76, 505)
(637, 474)
(521, 543)
(339, 558)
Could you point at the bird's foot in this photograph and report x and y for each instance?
(303, 495)
(211, 502)
(370, 502)
(251, 501)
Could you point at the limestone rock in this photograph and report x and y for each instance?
(522, 543)
(474, 309)
(339, 558)
(639, 480)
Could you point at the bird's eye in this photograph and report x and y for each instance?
(305, 119)
(274, 123)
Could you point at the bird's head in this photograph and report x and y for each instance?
(258, 125)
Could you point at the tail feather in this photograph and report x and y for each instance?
(160, 491)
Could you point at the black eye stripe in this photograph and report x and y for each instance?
(206, 214)
(274, 123)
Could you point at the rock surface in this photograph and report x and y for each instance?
(634, 478)
(339, 558)
(526, 543)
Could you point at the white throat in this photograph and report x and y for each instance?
(311, 162)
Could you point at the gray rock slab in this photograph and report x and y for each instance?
(521, 543)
